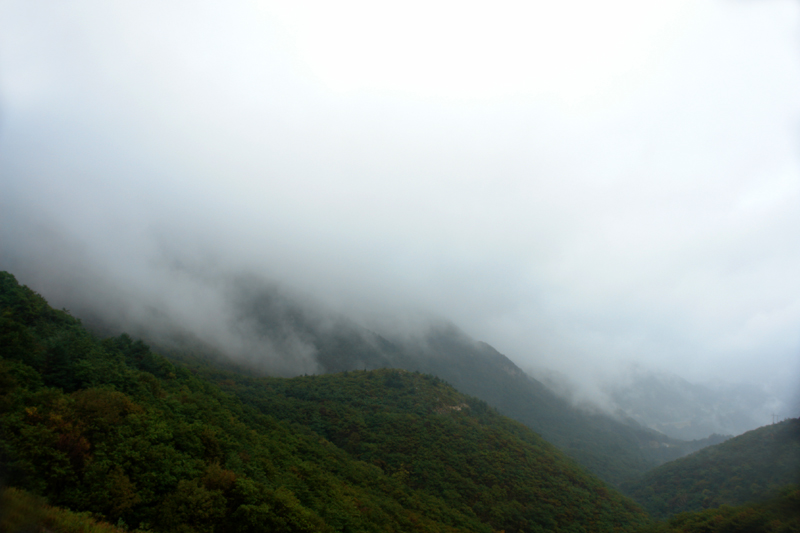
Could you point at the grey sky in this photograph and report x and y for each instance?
(578, 185)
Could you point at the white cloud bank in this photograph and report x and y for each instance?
(577, 184)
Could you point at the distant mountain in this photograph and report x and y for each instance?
(613, 448)
(111, 428)
(744, 468)
(683, 410)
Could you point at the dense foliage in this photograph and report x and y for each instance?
(780, 514)
(439, 441)
(748, 467)
(109, 427)
(21, 512)
(612, 449)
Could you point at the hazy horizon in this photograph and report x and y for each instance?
(582, 186)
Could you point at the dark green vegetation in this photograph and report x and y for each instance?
(745, 468)
(108, 426)
(613, 449)
(21, 512)
(476, 460)
(780, 514)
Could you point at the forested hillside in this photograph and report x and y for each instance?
(779, 514)
(748, 467)
(110, 427)
(474, 458)
(611, 448)
(22, 512)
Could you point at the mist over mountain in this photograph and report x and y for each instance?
(685, 410)
(466, 190)
(108, 427)
(406, 446)
(281, 330)
(674, 406)
(256, 325)
(580, 196)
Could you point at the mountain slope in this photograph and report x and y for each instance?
(611, 448)
(421, 430)
(744, 468)
(779, 514)
(115, 429)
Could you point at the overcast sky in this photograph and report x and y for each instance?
(580, 184)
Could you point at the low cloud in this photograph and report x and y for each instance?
(149, 157)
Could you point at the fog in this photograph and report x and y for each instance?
(582, 186)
